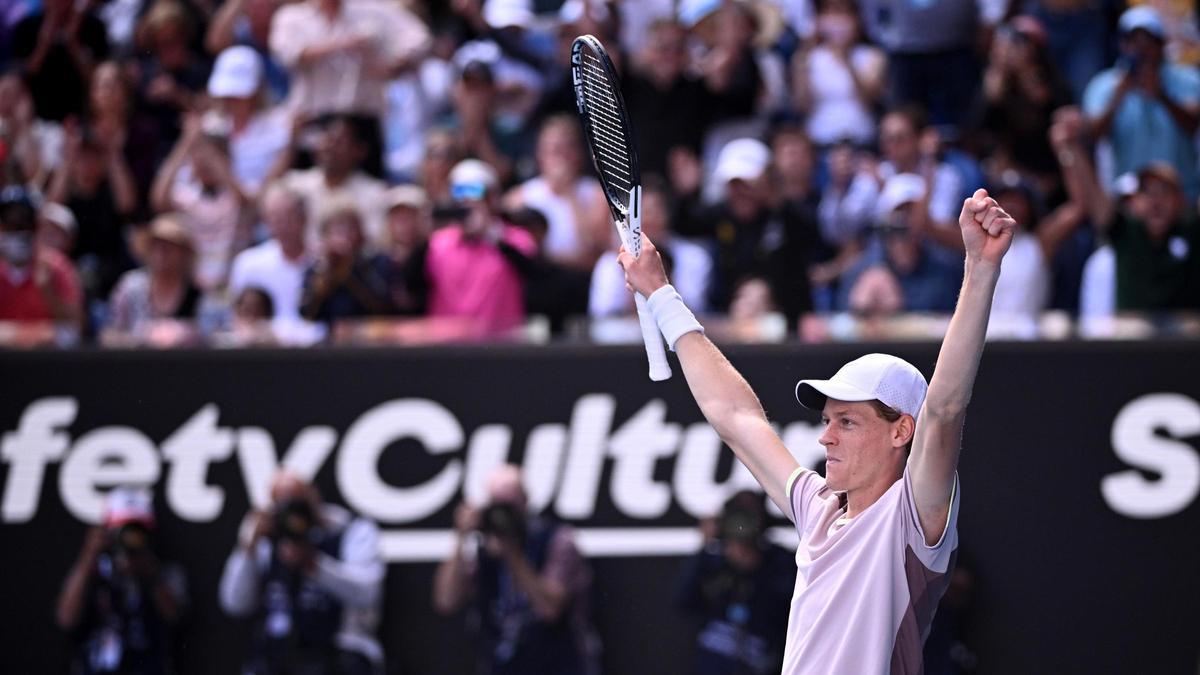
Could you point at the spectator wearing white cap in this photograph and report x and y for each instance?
(258, 133)
(1147, 107)
(121, 602)
(898, 271)
(343, 53)
(248, 23)
(468, 275)
(57, 228)
(750, 235)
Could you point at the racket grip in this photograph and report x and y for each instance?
(656, 354)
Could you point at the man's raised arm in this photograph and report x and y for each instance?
(987, 233)
(724, 396)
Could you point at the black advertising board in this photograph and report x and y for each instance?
(1080, 479)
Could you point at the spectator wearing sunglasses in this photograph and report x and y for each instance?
(468, 275)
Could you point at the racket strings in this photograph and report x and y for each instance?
(608, 133)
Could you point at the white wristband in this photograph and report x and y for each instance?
(673, 317)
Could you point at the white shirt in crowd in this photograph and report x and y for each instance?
(1022, 290)
(359, 188)
(344, 82)
(838, 113)
(563, 238)
(254, 151)
(264, 266)
(692, 269)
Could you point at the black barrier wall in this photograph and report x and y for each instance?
(1080, 479)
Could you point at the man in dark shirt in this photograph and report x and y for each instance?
(753, 232)
(1157, 243)
(58, 48)
(670, 108)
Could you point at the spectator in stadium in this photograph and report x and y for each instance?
(341, 54)
(339, 176)
(309, 576)
(162, 288)
(408, 223)
(930, 48)
(58, 45)
(909, 146)
(250, 323)
(442, 152)
(171, 76)
(574, 204)
(839, 81)
(551, 289)
(475, 120)
(121, 602)
(278, 264)
(34, 146)
(846, 210)
(247, 23)
(1146, 106)
(1077, 35)
(739, 585)
(96, 184)
(898, 271)
(258, 133)
(1022, 89)
(526, 587)
(197, 181)
(669, 106)
(57, 228)
(113, 113)
(751, 235)
(1155, 237)
(468, 275)
(37, 282)
(691, 264)
(1028, 279)
(345, 281)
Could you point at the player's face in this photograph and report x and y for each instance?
(858, 445)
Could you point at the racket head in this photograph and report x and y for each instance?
(606, 124)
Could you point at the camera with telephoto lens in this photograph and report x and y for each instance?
(504, 521)
(294, 521)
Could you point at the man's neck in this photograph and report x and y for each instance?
(336, 178)
(293, 250)
(860, 499)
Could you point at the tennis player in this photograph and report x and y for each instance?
(877, 533)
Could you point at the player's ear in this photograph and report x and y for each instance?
(903, 430)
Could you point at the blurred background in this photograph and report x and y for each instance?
(316, 357)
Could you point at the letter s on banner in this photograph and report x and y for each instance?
(1135, 442)
(358, 460)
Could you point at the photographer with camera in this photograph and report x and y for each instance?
(525, 583)
(120, 602)
(740, 585)
(310, 577)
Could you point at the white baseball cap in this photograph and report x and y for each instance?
(742, 159)
(507, 13)
(1144, 18)
(891, 380)
(473, 171)
(901, 189)
(237, 73)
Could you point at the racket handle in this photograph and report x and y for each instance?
(656, 354)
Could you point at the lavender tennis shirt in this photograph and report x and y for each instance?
(866, 587)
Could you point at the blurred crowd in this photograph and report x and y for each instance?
(274, 172)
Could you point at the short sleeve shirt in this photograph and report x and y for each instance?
(866, 587)
(1156, 275)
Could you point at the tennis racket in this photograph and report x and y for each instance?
(610, 138)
